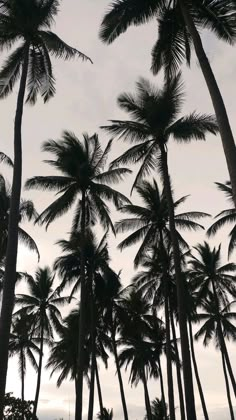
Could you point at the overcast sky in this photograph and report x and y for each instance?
(86, 99)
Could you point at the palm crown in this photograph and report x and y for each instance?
(151, 221)
(27, 212)
(154, 120)
(29, 22)
(173, 45)
(81, 164)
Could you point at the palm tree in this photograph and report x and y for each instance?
(27, 213)
(82, 177)
(105, 415)
(157, 410)
(153, 122)
(211, 279)
(28, 24)
(150, 222)
(217, 325)
(42, 303)
(178, 24)
(23, 345)
(225, 217)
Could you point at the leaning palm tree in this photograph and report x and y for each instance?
(27, 24)
(178, 25)
(217, 325)
(23, 344)
(82, 180)
(225, 217)
(27, 213)
(210, 278)
(154, 121)
(105, 414)
(42, 304)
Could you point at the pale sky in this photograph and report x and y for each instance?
(86, 99)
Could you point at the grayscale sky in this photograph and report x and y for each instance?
(86, 98)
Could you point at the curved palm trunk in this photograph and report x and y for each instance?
(216, 97)
(82, 319)
(178, 369)
(146, 397)
(98, 388)
(12, 244)
(227, 388)
(122, 393)
(36, 400)
(163, 399)
(93, 364)
(204, 409)
(169, 363)
(22, 381)
(187, 368)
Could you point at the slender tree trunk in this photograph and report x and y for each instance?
(12, 243)
(93, 364)
(204, 409)
(163, 399)
(216, 97)
(22, 382)
(187, 368)
(99, 388)
(169, 362)
(178, 369)
(222, 342)
(146, 397)
(82, 318)
(227, 388)
(167, 323)
(36, 400)
(122, 393)
(226, 357)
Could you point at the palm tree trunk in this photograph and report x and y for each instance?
(99, 388)
(22, 362)
(187, 368)
(146, 397)
(39, 369)
(163, 399)
(227, 387)
(169, 362)
(93, 339)
(222, 342)
(216, 97)
(226, 357)
(82, 318)
(178, 369)
(204, 409)
(122, 393)
(167, 324)
(12, 243)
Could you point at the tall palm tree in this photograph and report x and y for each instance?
(27, 24)
(179, 22)
(23, 345)
(217, 325)
(225, 217)
(211, 279)
(84, 180)
(27, 213)
(42, 303)
(150, 222)
(154, 120)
